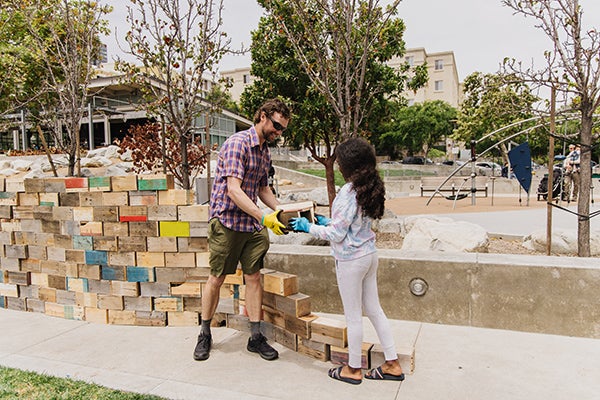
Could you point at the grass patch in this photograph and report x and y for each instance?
(23, 385)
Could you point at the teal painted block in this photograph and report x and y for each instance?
(96, 257)
(99, 181)
(140, 274)
(2, 303)
(83, 242)
(85, 286)
(70, 313)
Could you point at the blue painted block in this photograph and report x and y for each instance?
(140, 274)
(96, 257)
(83, 242)
(2, 302)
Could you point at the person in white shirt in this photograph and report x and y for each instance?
(572, 176)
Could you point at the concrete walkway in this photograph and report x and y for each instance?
(451, 362)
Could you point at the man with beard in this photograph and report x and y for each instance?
(236, 224)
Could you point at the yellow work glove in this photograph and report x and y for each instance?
(272, 222)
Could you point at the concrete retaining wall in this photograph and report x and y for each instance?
(554, 295)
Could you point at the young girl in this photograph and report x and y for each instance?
(352, 242)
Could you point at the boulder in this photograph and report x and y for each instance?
(408, 222)
(319, 196)
(21, 165)
(563, 241)
(429, 234)
(9, 172)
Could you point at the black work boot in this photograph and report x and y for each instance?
(260, 346)
(202, 350)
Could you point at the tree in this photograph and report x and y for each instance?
(573, 70)
(341, 47)
(64, 38)
(493, 101)
(419, 126)
(178, 43)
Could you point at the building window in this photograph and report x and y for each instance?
(246, 78)
(439, 86)
(410, 60)
(439, 65)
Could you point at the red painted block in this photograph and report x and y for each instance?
(133, 218)
(76, 183)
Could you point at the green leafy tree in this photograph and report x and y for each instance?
(332, 54)
(418, 127)
(493, 101)
(177, 44)
(573, 70)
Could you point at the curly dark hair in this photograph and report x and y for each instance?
(358, 165)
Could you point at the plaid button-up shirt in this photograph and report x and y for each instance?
(242, 157)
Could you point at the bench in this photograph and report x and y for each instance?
(455, 185)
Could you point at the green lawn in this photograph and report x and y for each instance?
(22, 385)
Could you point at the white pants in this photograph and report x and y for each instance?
(357, 282)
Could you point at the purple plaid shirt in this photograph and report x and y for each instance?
(242, 157)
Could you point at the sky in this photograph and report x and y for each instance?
(479, 32)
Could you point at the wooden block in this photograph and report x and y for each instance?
(42, 212)
(182, 318)
(90, 199)
(299, 325)
(330, 331)
(280, 283)
(51, 227)
(269, 299)
(64, 241)
(2, 302)
(39, 279)
(168, 304)
(18, 278)
(296, 305)
(14, 186)
(15, 251)
(199, 229)
(195, 213)
(107, 243)
(171, 275)
(31, 185)
(298, 209)
(406, 357)
(118, 229)
(228, 306)
(36, 305)
(89, 271)
(76, 184)
(119, 288)
(22, 212)
(95, 315)
(138, 303)
(273, 316)
(15, 303)
(86, 299)
(143, 198)
(339, 355)
(28, 199)
(65, 297)
(203, 259)
(115, 198)
(106, 214)
(121, 317)
(132, 243)
(49, 199)
(188, 289)
(192, 304)
(55, 310)
(99, 183)
(149, 229)
(113, 272)
(77, 285)
(155, 289)
(9, 290)
(99, 286)
(150, 259)
(238, 322)
(29, 291)
(197, 274)
(316, 350)
(189, 244)
(235, 279)
(47, 294)
(56, 254)
(91, 228)
(74, 256)
(62, 213)
(162, 244)
(175, 197)
(11, 264)
(133, 213)
(99, 257)
(155, 182)
(69, 199)
(5, 212)
(11, 226)
(162, 213)
(110, 302)
(83, 242)
(140, 274)
(74, 312)
(70, 228)
(153, 318)
(8, 199)
(124, 183)
(181, 260)
(31, 225)
(121, 258)
(174, 228)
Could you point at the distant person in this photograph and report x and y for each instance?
(572, 176)
(358, 203)
(236, 224)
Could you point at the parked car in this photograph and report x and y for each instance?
(488, 168)
(416, 160)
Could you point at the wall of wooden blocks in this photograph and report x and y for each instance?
(133, 250)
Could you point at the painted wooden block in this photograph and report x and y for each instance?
(78, 285)
(175, 197)
(121, 317)
(83, 242)
(113, 273)
(69, 199)
(124, 183)
(28, 199)
(188, 289)
(182, 318)
(96, 315)
(76, 184)
(118, 229)
(133, 213)
(106, 213)
(140, 274)
(148, 228)
(156, 182)
(137, 303)
(108, 243)
(110, 302)
(74, 312)
(115, 198)
(168, 304)
(99, 257)
(280, 283)
(121, 258)
(195, 213)
(181, 260)
(132, 243)
(99, 183)
(150, 259)
(2, 302)
(196, 244)
(311, 348)
(339, 355)
(49, 199)
(174, 228)
(330, 331)
(143, 198)
(162, 212)
(162, 244)
(8, 199)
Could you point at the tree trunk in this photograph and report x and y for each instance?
(185, 176)
(330, 178)
(585, 179)
(47, 150)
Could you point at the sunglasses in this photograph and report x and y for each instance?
(276, 125)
